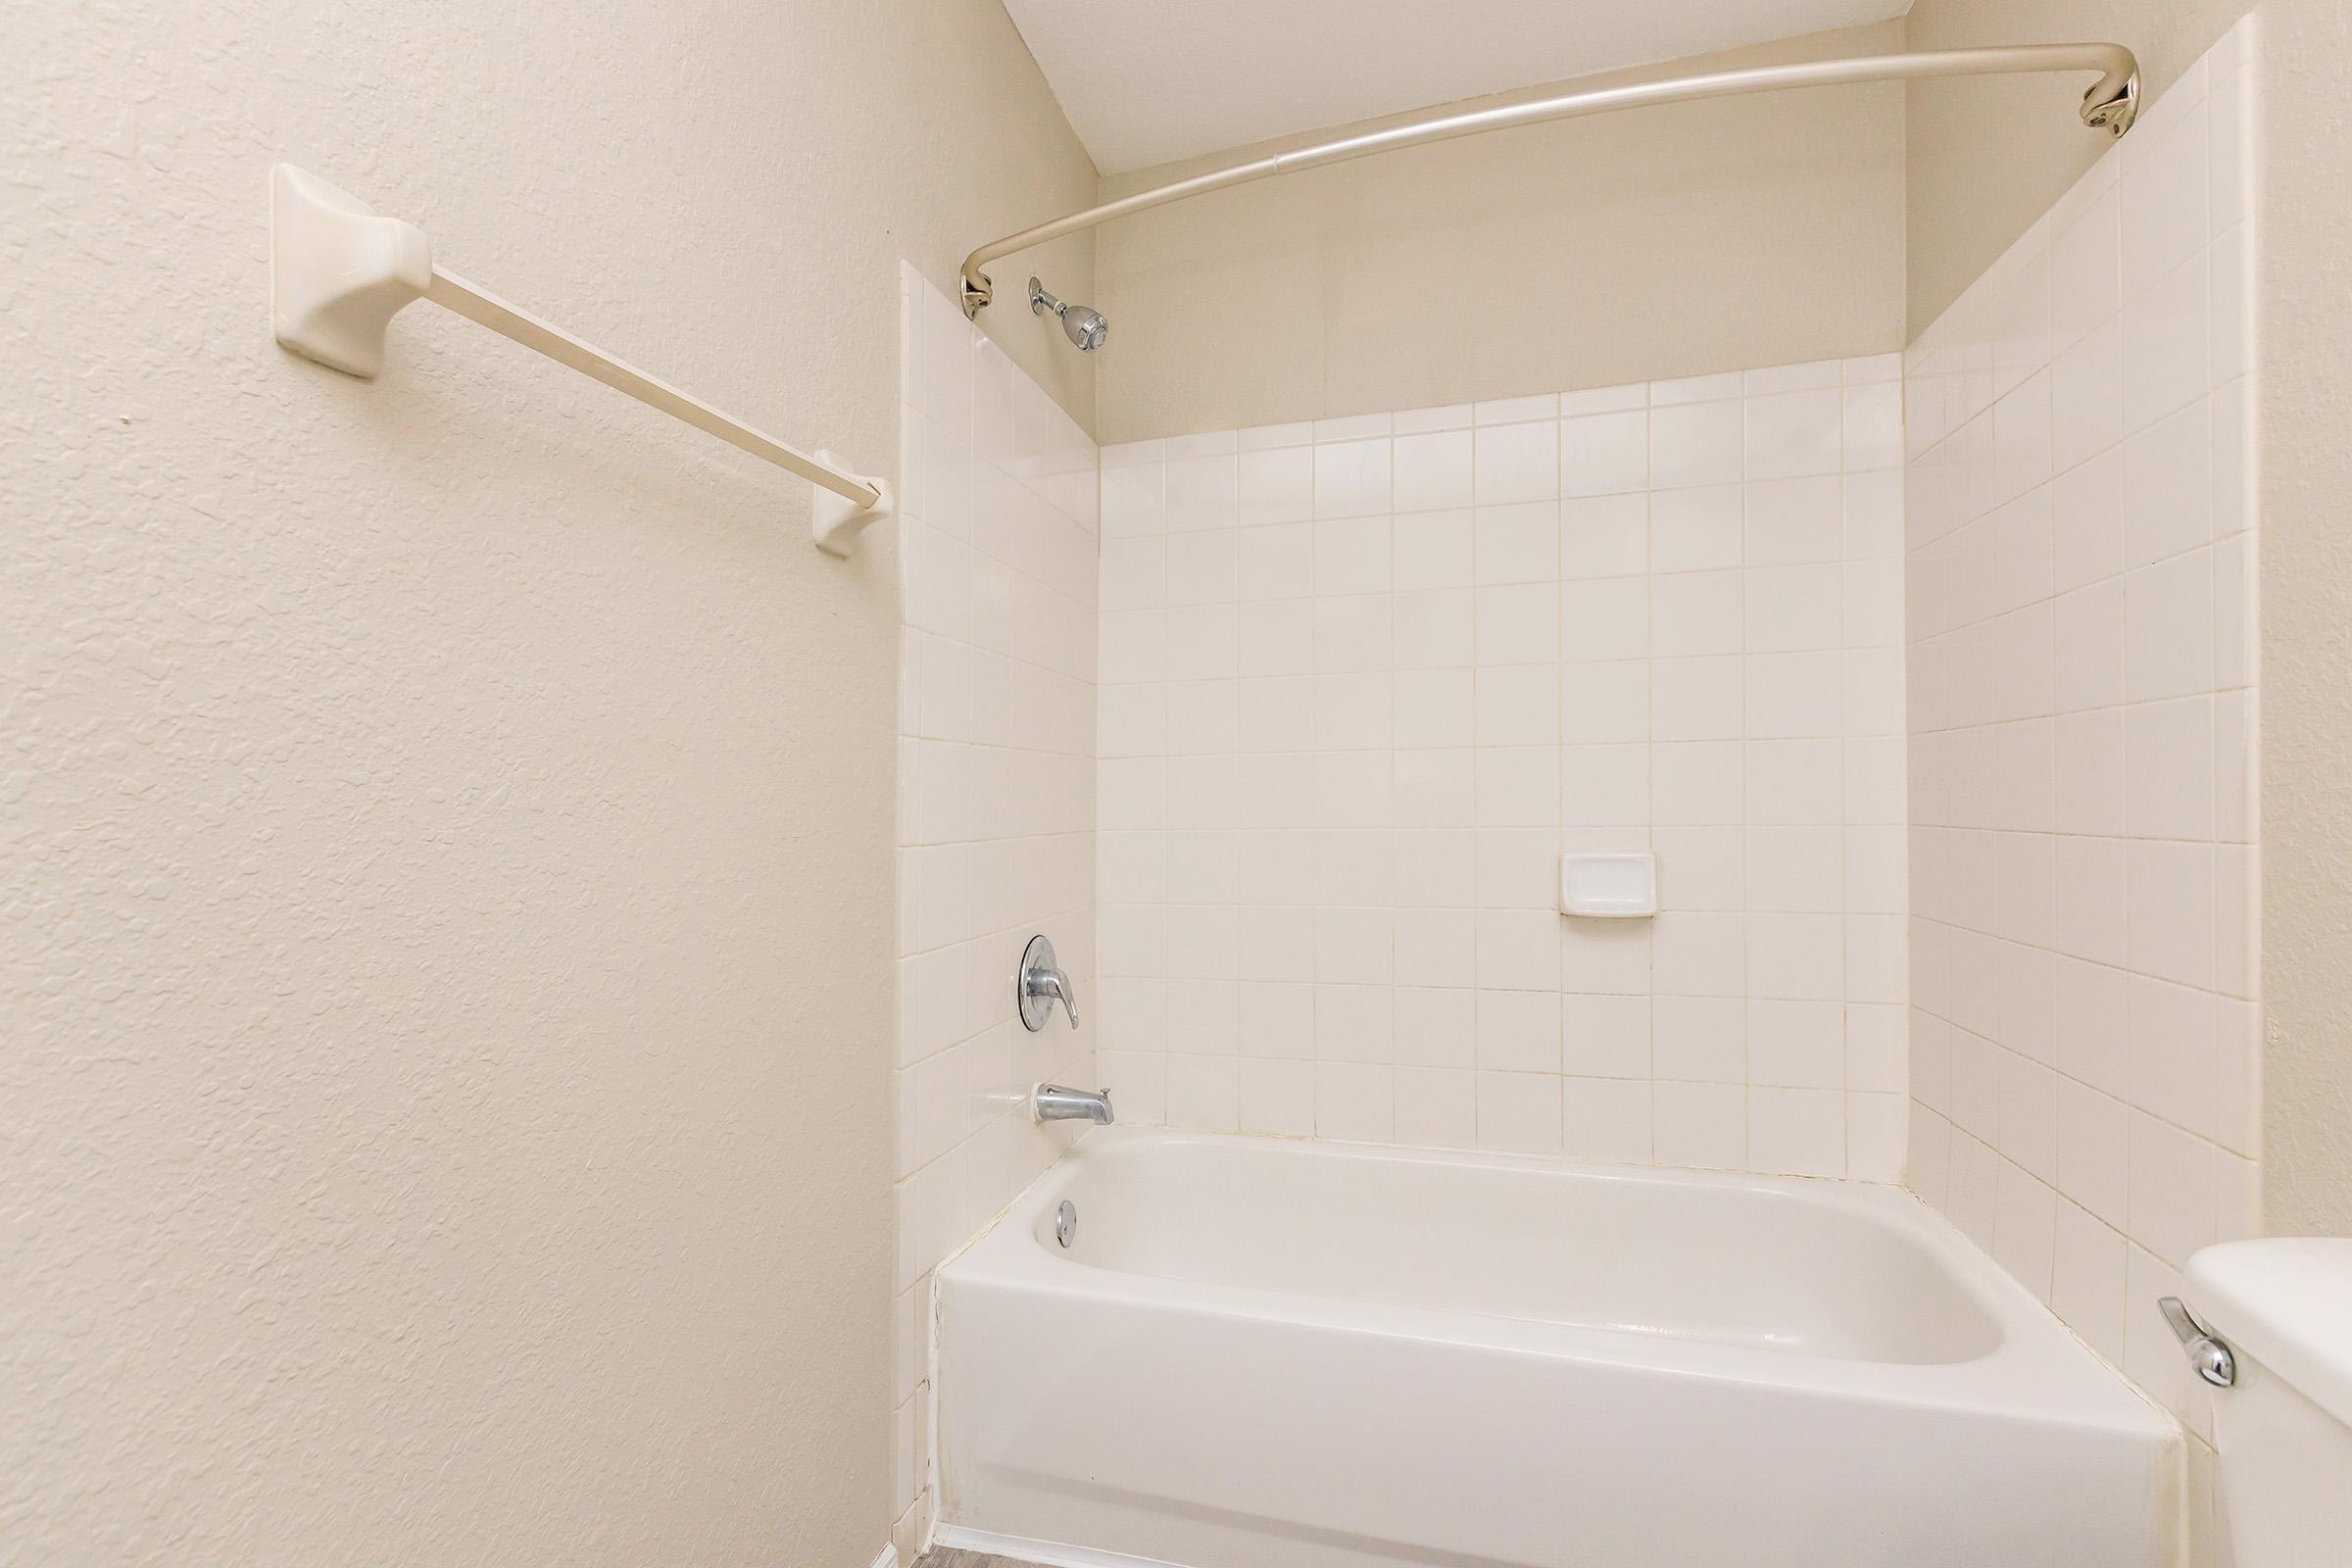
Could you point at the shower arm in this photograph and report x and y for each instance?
(2112, 102)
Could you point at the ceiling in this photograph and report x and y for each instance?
(1149, 81)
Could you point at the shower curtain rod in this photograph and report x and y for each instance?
(2112, 102)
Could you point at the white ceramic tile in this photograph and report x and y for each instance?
(1519, 704)
(1794, 609)
(1604, 453)
(2086, 271)
(2168, 628)
(2166, 346)
(1417, 421)
(1696, 783)
(1514, 463)
(1696, 388)
(1352, 478)
(1699, 1039)
(1433, 629)
(1432, 471)
(1604, 400)
(1268, 437)
(2077, 1014)
(1436, 1107)
(1606, 1119)
(1199, 567)
(1793, 433)
(2087, 401)
(1694, 443)
(1604, 785)
(1518, 542)
(1793, 695)
(1519, 1112)
(1436, 1027)
(1695, 612)
(1276, 485)
(1605, 618)
(1696, 698)
(1433, 548)
(1795, 521)
(1604, 703)
(1514, 410)
(2164, 194)
(1602, 536)
(1199, 493)
(1001, 724)
(1274, 1096)
(1696, 529)
(1698, 953)
(1699, 1124)
(1352, 631)
(1873, 417)
(1699, 648)
(1355, 1102)
(1801, 1132)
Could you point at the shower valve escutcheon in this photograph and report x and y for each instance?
(1040, 985)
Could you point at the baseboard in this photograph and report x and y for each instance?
(888, 1557)
(1045, 1553)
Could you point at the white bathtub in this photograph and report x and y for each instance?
(1265, 1354)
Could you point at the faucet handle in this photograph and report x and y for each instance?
(1040, 984)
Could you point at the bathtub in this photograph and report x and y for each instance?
(1265, 1354)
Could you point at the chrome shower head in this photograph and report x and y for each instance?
(1084, 323)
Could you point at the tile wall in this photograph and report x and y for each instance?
(996, 801)
(2085, 1028)
(1362, 681)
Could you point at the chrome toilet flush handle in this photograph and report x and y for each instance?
(1039, 985)
(2207, 1355)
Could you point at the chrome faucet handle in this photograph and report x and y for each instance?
(1039, 985)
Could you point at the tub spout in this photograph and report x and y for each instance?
(1053, 1103)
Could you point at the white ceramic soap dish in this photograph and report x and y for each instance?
(1609, 887)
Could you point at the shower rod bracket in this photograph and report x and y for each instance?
(339, 272)
(2111, 105)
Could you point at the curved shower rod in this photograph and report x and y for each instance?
(2112, 102)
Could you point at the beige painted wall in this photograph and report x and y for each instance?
(1656, 243)
(446, 824)
(1988, 154)
(2304, 472)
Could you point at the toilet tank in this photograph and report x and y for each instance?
(2283, 1428)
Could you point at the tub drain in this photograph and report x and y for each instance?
(1065, 1222)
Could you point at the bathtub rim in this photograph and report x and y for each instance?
(2040, 1369)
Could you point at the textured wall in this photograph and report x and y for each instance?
(1986, 156)
(446, 829)
(1663, 242)
(2305, 472)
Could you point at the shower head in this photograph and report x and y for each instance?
(1083, 322)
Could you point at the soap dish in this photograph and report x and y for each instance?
(1609, 887)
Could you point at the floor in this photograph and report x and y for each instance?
(950, 1557)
